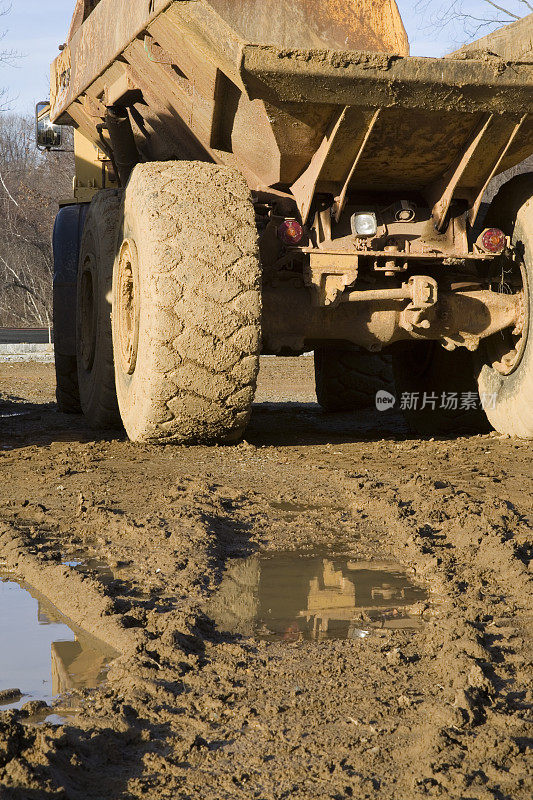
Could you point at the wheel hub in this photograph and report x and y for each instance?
(127, 310)
(508, 348)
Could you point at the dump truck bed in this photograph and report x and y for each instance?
(513, 42)
(288, 116)
(367, 170)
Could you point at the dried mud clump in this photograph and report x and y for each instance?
(192, 711)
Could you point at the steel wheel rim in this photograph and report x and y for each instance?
(127, 309)
(506, 350)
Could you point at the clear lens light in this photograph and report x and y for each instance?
(364, 224)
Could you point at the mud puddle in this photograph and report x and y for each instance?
(297, 508)
(288, 597)
(43, 654)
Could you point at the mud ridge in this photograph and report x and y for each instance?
(192, 711)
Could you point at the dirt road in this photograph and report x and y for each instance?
(191, 711)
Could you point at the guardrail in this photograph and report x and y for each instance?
(13, 336)
(26, 344)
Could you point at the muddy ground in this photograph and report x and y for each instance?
(191, 712)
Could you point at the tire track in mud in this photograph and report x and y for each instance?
(189, 712)
(181, 695)
(467, 550)
(156, 633)
(474, 554)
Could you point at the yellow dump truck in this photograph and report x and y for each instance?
(279, 176)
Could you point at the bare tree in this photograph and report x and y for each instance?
(7, 56)
(31, 185)
(468, 19)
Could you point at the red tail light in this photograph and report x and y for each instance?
(493, 240)
(290, 232)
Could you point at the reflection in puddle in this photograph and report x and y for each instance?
(292, 597)
(43, 653)
(89, 566)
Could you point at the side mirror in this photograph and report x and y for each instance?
(48, 136)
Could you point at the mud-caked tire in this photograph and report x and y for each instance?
(348, 378)
(506, 359)
(94, 344)
(67, 392)
(436, 390)
(186, 304)
(66, 241)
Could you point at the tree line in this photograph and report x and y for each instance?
(31, 185)
(32, 182)
(470, 19)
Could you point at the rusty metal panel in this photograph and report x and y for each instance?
(267, 110)
(513, 42)
(373, 25)
(377, 80)
(411, 148)
(100, 40)
(113, 24)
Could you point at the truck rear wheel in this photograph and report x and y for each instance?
(68, 228)
(96, 376)
(348, 378)
(436, 390)
(67, 392)
(506, 368)
(186, 304)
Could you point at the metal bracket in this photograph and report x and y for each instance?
(475, 168)
(424, 295)
(330, 275)
(345, 138)
(340, 201)
(474, 211)
(304, 188)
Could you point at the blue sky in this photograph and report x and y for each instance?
(35, 28)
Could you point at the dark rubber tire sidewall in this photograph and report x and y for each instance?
(97, 382)
(67, 391)
(347, 378)
(426, 367)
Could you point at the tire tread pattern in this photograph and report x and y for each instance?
(67, 390)
(348, 378)
(511, 412)
(204, 300)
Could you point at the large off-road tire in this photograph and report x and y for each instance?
(94, 345)
(66, 241)
(427, 379)
(67, 391)
(348, 378)
(506, 359)
(186, 304)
